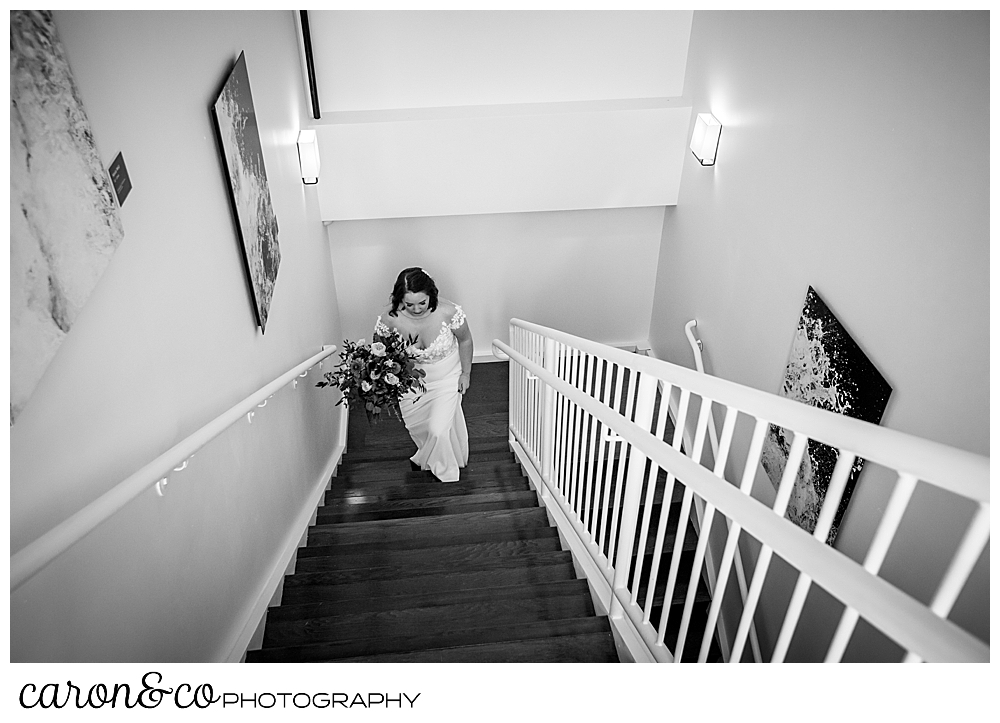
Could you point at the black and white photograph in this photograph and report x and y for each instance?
(826, 369)
(445, 361)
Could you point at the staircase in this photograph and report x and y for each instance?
(402, 568)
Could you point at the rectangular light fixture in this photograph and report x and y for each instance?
(308, 157)
(705, 139)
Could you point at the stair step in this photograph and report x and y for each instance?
(443, 583)
(423, 507)
(389, 475)
(475, 469)
(585, 648)
(436, 567)
(696, 628)
(318, 548)
(422, 489)
(352, 465)
(430, 532)
(491, 609)
(538, 591)
(680, 592)
(396, 452)
(427, 558)
(417, 641)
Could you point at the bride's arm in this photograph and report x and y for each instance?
(465, 349)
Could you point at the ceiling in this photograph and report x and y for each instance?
(453, 112)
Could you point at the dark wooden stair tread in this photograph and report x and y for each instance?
(552, 588)
(443, 583)
(447, 638)
(504, 500)
(390, 478)
(426, 558)
(425, 532)
(474, 470)
(420, 489)
(398, 458)
(302, 578)
(492, 609)
(584, 648)
(327, 546)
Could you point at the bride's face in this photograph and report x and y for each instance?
(416, 303)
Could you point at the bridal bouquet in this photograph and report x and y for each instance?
(375, 376)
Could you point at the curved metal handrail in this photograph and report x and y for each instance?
(696, 345)
(30, 559)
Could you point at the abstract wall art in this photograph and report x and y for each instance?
(826, 369)
(64, 222)
(236, 122)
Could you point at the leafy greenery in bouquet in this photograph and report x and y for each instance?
(375, 376)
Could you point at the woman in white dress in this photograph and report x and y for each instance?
(441, 343)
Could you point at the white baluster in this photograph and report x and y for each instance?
(632, 494)
(704, 411)
(654, 471)
(828, 512)
(728, 427)
(785, 488)
(731, 550)
(548, 416)
(977, 534)
(668, 496)
(900, 498)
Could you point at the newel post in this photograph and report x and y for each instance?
(633, 493)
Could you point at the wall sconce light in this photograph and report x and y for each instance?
(705, 140)
(309, 157)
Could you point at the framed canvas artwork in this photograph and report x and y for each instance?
(826, 369)
(64, 223)
(239, 140)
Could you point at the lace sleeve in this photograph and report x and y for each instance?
(380, 327)
(457, 319)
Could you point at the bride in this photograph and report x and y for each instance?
(441, 343)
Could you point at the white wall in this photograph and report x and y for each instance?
(167, 342)
(423, 59)
(538, 159)
(853, 159)
(589, 273)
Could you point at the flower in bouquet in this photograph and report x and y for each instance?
(375, 377)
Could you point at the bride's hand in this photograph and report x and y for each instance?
(464, 381)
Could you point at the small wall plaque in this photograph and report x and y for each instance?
(120, 179)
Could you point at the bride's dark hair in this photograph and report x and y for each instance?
(413, 280)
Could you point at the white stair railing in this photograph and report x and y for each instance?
(737, 563)
(588, 426)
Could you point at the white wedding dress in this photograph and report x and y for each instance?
(434, 418)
